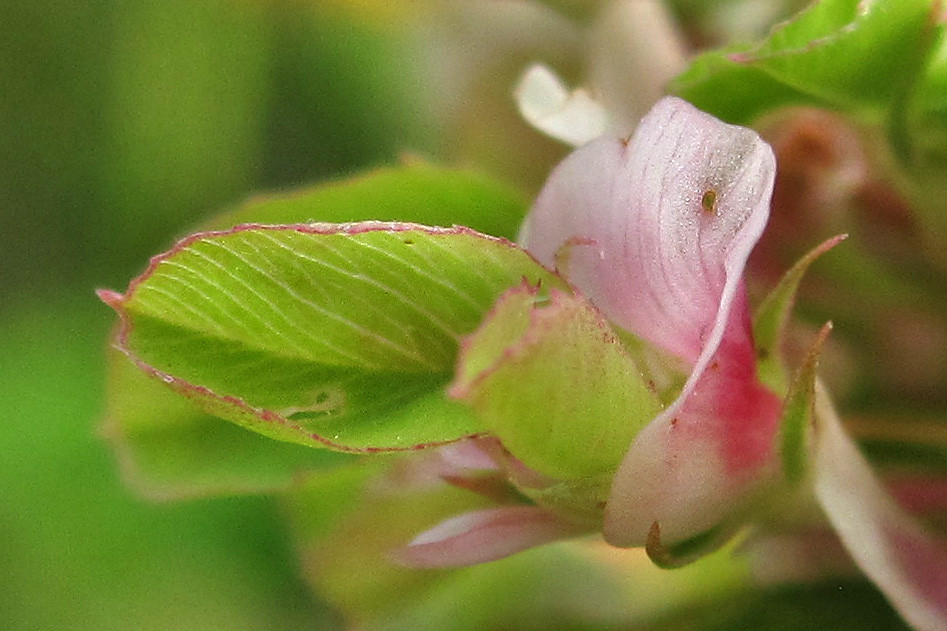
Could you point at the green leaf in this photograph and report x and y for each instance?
(798, 413)
(417, 193)
(168, 448)
(769, 322)
(550, 379)
(932, 92)
(323, 335)
(862, 56)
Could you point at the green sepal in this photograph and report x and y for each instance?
(685, 552)
(548, 376)
(798, 411)
(771, 317)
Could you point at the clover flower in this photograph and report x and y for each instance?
(655, 232)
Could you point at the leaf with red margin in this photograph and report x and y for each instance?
(168, 447)
(341, 336)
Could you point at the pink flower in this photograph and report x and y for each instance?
(658, 230)
(655, 232)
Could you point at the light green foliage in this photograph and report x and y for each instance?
(416, 192)
(862, 56)
(79, 551)
(324, 335)
(931, 105)
(169, 448)
(347, 526)
(563, 396)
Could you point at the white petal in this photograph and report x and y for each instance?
(548, 105)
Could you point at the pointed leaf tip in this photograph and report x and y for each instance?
(110, 297)
(772, 316)
(346, 351)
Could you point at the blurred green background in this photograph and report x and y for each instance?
(121, 124)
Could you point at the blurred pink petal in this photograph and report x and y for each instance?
(905, 561)
(636, 48)
(485, 535)
(472, 454)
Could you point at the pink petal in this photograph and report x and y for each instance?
(638, 240)
(656, 232)
(485, 535)
(905, 561)
(691, 467)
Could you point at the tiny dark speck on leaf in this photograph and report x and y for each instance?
(409, 242)
(709, 201)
